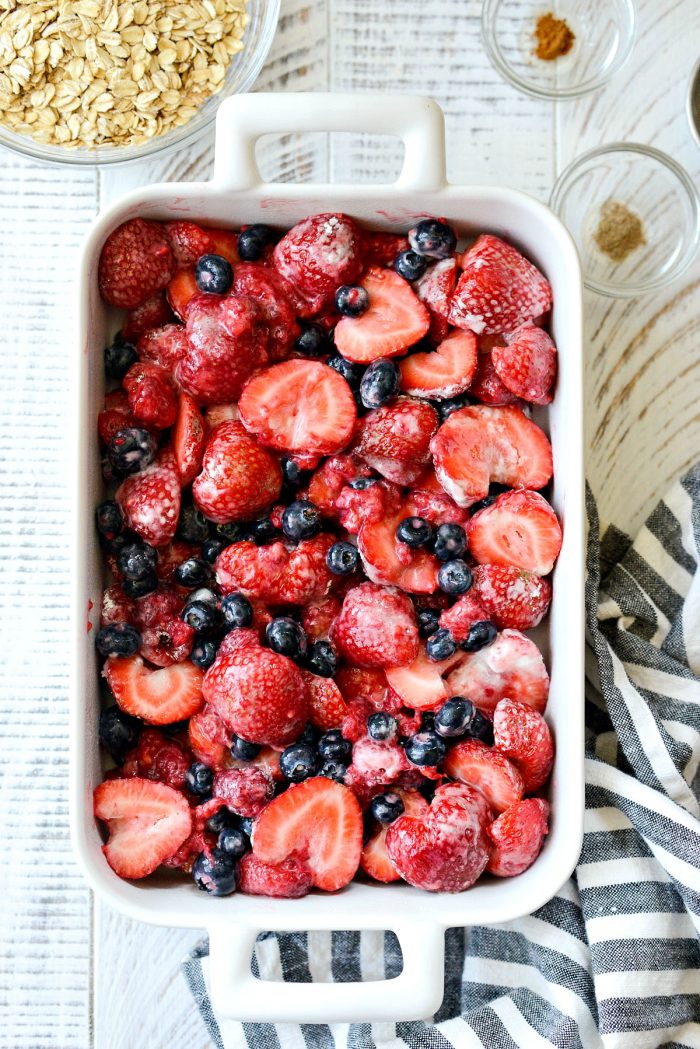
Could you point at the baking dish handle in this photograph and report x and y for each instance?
(417, 120)
(415, 994)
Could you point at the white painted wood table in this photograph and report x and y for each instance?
(73, 973)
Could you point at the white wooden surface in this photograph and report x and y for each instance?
(74, 974)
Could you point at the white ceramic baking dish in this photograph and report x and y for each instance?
(238, 195)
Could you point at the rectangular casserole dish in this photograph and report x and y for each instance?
(237, 195)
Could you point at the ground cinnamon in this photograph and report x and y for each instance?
(619, 231)
(554, 38)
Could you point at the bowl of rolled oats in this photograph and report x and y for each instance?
(107, 81)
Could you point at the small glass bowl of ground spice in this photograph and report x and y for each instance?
(559, 51)
(634, 215)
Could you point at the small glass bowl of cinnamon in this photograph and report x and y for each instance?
(561, 51)
(634, 214)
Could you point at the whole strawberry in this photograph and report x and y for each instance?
(136, 261)
(239, 479)
(152, 398)
(150, 503)
(318, 255)
(395, 439)
(259, 695)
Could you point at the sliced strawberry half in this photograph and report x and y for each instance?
(478, 445)
(327, 708)
(395, 320)
(299, 406)
(182, 289)
(523, 735)
(317, 822)
(527, 364)
(189, 438)
(444, 372)
(472, 762)
(511, 596)
(160, 697)
(499, 288)
(517, 837)
(518, 529)
(511, 666)
(420, 685)
(147, 823)
(375, 860)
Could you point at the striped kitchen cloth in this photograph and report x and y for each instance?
(613, 960)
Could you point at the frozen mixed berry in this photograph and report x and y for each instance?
(192, 525)
(253, 240)
(301, 520)
(212, 547)
(118, 639)
(440, 645)
(322, 659)
(313, 341)
(298, 762)
(433, 238)
(449, 405)
(334, 770)
(387, 807)
(199, 780)
(203, 653)
(119, 357)
(141, 587)
(201, 616)
(237, 610)
(352, 373)
(213, 274)
(351, 300)
(233, 842)
(192, 573)
(343, 558)
(109, 520)
(136, 560)
(425, 748)
(455, 717)
(454, 577)
(415, 532)
(480, 634)
(410, 265)
(242, 750)
(450, 542)
(287, 637)
(215, 873)
(428, 621)
(130, 449)
(382, 726)
(263, 530)
(118, 732)
(379, 384)
(332, 746)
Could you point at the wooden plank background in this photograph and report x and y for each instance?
(74, 974)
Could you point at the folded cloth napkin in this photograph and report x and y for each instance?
(613, 960)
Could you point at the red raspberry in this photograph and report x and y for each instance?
(117, 607)
(164, 346)
(517, 836)
(152, 313)
(227, 342)
(395, 439)
(259, 694)
(158, 758)
(245, 791)
(136, 261)
(318, 617)
(167, 643)
(376, 503)
(318, 255)
(446, 848)
(465, 612)
(238, 478)
(329, 480)
(378, 763)
(208, 736)
(275, 574)
(267, 290)
(289, 879)
(376, 627)
(511, 596)
(151, 395)
(150, 503)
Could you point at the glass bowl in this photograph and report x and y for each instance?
(604, 32)
(241, 74)
(656, 190)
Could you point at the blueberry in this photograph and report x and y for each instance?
(410, 265)
(428, 621)
(285, 636)
(387, 807)
(119, 357)
(199, 779)
(109, 520)
(433, 238)
(211, 548)
(480, 635)
(130, 450)
(192, 573)
(298, 762)
(361, 484)
(427, 721)
(237, 610)
(450, 542)
(309, 735)
(342, 558)
(136, 588)
(414, 532)
(440, 645)
(233, 842)
(332, 746)
(253, 241)
(351, 300)
(381, 726)
(481, 728)
(379, 384)
(213, 274)
(234, 532)
(452, 404)
(352, 373)
(494, 491)
(313, 341)
(192, 525)
(322, 659)
(203, 653)
(118, 732)
(223, 818)
(293, 474)
(118, 639)
(263, 531)
(301, 520)
(201, 616)
(242, 750)
(454, 717)
(246, 825)
(217, 875)
(425, 748)
(454, 577)
(205, 594)
(136, 560)
(333, 770)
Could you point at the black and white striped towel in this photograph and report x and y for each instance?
(613, 960)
